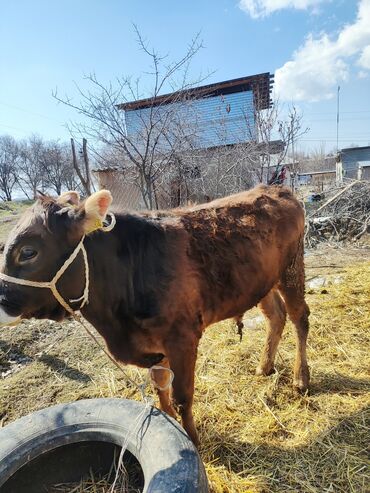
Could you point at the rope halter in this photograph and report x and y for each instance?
(84, 299)
(52, 285)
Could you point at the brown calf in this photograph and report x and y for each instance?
(157, 280)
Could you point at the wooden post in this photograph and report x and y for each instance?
(87, 166)
(85, 182)
(339, 171)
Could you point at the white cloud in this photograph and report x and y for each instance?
(321, 63)
(362, 74)
(364, 60)
(263, 8)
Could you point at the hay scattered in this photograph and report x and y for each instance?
(257, 435)
(89, 486)
(93, 485)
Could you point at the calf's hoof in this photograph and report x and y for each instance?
(301, 380)
(300, 386)
(193, 435)
(265, 371)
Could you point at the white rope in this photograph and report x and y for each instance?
(133, 431)
(112, 223)
(154, 383)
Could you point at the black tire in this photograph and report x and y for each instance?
(168, 458)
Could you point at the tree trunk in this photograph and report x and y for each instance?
(87, 165)
(149, 191)
(86, 185)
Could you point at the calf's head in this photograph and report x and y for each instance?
(44, 238)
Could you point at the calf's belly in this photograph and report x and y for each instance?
(247, 287)
(235, 306)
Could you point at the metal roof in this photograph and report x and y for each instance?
(355, 149)
(261, 84)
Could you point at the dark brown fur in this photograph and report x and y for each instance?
(159, 279)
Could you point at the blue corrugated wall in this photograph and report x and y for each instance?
(212, 121)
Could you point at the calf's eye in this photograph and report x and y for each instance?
(27, 253)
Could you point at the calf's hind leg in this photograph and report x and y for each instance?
(273, 308)
(292, 289)
(298, 312)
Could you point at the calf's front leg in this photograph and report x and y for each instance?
(162, 381)
(182, 355)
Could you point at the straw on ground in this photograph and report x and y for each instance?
(257, 435)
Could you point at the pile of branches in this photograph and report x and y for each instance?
(345, 216)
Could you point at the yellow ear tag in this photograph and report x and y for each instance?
(94, 224)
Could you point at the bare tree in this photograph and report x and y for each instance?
(9, 158)
(31, 166)
(149, 139)
(70, 178)
(290, 130)
(317, 157)
(54, 159)
(274, 136)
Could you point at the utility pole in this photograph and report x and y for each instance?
(338, 161)
(338, 119)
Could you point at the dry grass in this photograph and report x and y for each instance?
(257, 435)
(10, 213)
(91, 485)
(100, 485)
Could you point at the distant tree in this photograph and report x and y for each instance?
(31, 166)
(9, 159)
(317, 157)
(59, 173)
(70, 178)
(54, 162)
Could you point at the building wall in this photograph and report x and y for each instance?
(198, 176)
(126, 195)
(352, 159)
(211, 121)
(365, 173)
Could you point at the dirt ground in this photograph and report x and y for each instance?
(257, 435)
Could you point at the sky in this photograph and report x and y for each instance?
(311, 46)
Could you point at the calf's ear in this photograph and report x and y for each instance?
(71, 197)
(96, 207)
